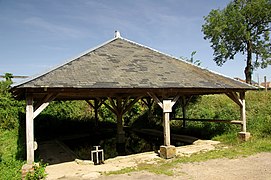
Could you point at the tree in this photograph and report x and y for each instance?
(192, 60)
(8, 76)
(243, 26)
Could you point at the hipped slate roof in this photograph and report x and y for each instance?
(121, 63)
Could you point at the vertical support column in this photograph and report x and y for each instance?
(166, 124)
(96, 107)
(184, 111)
(119, 116)
(244, 135)
(243, 112)
(29, 130)
(167, 151)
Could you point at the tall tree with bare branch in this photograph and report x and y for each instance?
(243, 26)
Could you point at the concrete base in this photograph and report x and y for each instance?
(244, 136)
(27, 168)
(167, 152)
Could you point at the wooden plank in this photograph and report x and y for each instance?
(211, 120)
(29, 130)
(237, 122)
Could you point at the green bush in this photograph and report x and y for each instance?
(38, 173)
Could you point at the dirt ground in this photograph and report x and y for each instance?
(253, 167)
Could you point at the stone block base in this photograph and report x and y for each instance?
(167, 152)
(244, 136)
(27, 168)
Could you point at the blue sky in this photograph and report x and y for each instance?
(36, 35)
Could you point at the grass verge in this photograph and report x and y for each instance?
(225, 150)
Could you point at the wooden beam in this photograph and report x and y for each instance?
(243, 111)
(156, 99)
(41, 105)
(40, 109)
(119, 110)
(212, 120)
(90, 104)
(234, 96)
(174, 100)
(166, 124)
(97, 104)
(110, 108)
(130, 105)
(29, 130)
(114, 106)
(184, 104)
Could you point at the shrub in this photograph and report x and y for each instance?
(38, 173)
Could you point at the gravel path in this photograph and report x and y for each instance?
(256, 167)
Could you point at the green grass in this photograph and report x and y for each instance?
(231, 151)
(258, 109)
(9, 166)
(258, 106)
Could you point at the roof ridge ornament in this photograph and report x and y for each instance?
(117, 34)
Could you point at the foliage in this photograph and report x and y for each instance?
(8, 76)
(242, 27)
(9, 107)
(192, 59)
(9, 165)
(72, 110)
(38, 173)
(9, 111)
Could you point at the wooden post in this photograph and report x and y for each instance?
(184, 111)
(265, 84)
(96, 107)
(119, 116)
(243, 111)
(149, 103)
(29, 130)
(166, 124)
(244, 135)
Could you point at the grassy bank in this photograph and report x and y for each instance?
(10, 165)
(258, 106)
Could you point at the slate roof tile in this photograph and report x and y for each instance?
(121, 63)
